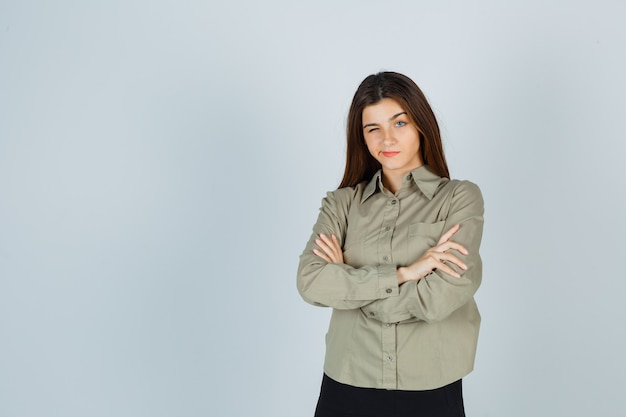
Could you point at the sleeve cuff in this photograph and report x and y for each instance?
(388, 281)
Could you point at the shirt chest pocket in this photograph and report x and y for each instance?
(421, 237)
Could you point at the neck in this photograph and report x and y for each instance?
(392, 179)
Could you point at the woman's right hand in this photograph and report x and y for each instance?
(435, 258)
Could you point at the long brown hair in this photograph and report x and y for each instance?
(360, 164)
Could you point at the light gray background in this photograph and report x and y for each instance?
(162, 163)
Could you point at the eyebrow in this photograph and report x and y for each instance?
(390, 119)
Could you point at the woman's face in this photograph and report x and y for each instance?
(391, 137)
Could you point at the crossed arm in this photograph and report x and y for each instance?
(434, 258)
(435, 284)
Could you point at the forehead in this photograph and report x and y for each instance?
(382, 111)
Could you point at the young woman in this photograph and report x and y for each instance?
(394, 252)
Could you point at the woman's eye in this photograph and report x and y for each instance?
(400, 123)
(372, 130)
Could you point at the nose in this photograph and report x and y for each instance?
(389, 138)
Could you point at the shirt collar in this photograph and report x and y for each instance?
(427, 181)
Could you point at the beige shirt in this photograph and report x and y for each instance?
(417, 336)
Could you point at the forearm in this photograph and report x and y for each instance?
(430, 299)
(342, 286)
(436, 295)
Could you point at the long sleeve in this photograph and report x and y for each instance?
(339, 285)
(436, 296)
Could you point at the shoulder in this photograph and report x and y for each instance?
(343, 197)
(464, 187)
(465, 193)
(336, 205)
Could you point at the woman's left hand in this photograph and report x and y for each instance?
(330, 249)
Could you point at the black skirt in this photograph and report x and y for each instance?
(341, 400)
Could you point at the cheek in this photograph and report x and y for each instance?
(412, 141)
(371, 148)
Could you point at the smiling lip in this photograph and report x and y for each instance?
(390, 154)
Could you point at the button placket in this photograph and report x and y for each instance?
(390, 374)
(390, 217)
(388, 335)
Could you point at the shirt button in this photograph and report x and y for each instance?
(389, 358)
(385, 258)
(388, 290)
(387, 229)
(388, 324)
(393, 202)
(372, 313)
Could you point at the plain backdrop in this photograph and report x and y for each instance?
(162, 164)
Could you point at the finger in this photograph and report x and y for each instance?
(332, 244)
(323, 246)
(330, 241)
(337, 246)
(446, 246)
(448, 257)
(446, 236)
(441, 266)
(330, 247)
(441, 259)
(445, 268)
(322, 255)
